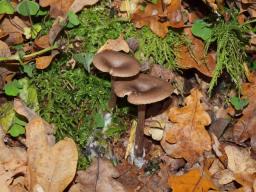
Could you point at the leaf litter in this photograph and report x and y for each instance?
(192, 142)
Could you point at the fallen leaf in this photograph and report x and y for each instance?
(2, 33)
(57, 7)
(194, 56)
(187, 138)
(193, 181)
(14, 28)
(239, 160)
(51, 167)
(78, 5)
(98, 177)
(4, 49)
(43, 61)
(118, 44)
(158, 19)
(42, 42)
(245, 128)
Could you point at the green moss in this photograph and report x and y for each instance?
(97, 27)
(230, 42)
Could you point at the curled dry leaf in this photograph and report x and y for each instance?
(98, 177)
(193, 181)
(118, 44)
(50, 167)
(187, 138)
(43, 62)
(57, 7)
(42, 42)
(158, 19)
(14, 28)
(4, 49)
(194, 56)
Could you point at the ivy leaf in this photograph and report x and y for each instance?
(13, 88)
(6, 7)
(85, 59)
(201, 29)
(72, 19)
(27, 8)
(239, 103)
(16, 130)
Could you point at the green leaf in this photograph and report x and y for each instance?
(16, 130)
(72, 20)
(18, 120)
(239, 103)
(27, 8)
(28, 69)
(7, 115)
(35, 30)
(41, 12)
(201, 29)
(13, 88)
(85, 59)
(6, 7)
(99, 120)
(28, 94)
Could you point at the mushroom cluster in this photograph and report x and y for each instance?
(117, 64)
(140, 89)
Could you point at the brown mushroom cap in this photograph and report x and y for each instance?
(142, 89)
(117, 64)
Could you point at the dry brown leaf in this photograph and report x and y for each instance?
(78, 5)
(104, 182)
(239, 160)
(118, 44)
(50, 167)
(2, 33)
(194, 57)
(245, 128)
(193, 181)
(4, 49)
(43, 62)
(188, 138)
(42, 42)
(14, 28)
(158, 19)
(57, 7)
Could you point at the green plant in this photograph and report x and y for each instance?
(239, 103)
(231, 55)
(97, 26)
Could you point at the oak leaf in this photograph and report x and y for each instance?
(157, 19)
(193, 56)
(193, 181)
(187, 138)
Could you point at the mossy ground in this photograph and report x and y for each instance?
(72, 99)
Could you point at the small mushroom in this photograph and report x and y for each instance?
(117, 64)
(141, 90)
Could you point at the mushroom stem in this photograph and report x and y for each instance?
(139, 140)
(113, 97)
